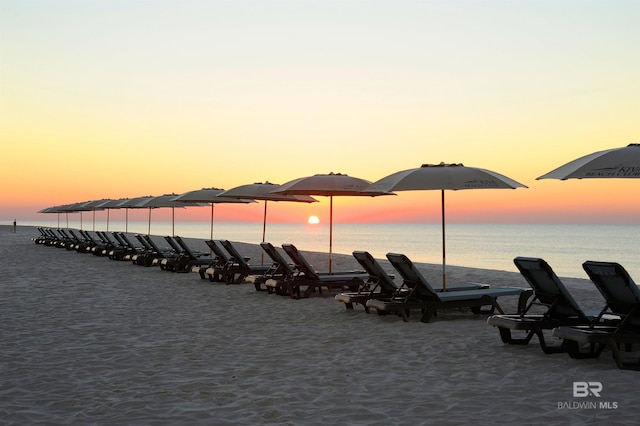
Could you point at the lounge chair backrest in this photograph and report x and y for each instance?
(144, 242)
(617, 287)
(548, 288)
(375, 271)
(276, 257)
(107, 239)
(152, 243)
(228, 246)
(411, 275)
(220, 253)
(73, 235)
(185, 247)
(175, 247)
(86, 236)
(120, 240)
(126, 240)
(300, 261)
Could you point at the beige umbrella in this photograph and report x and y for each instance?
(442, 177)
(264, 191)
(96, 205)
(112, 204)
(207, 196)
(612, 163)
(165, 201)
(329, 185)
(132, 203)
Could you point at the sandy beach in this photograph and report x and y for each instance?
(88, 340)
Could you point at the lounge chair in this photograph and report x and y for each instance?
(187, 258)
(381, 285)
(132, 250)
(106, 245)
(153, 254)
(308, 277)
(216, 270)
(551, 300)
(238, 267)
(622, 297)
(424, 297)
(275, 278)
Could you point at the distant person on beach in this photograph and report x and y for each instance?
(14, 226)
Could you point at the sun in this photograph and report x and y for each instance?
(313, 220)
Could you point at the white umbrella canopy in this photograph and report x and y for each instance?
(132, 203)
(76, 208)
(163, 201)
(611, 163)
(95, 205)
(55, 209)
(444, 177)
(264, 191)
(329, 185)
(112, 204)
(207, 196)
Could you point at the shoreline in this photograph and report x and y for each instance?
(91, 340)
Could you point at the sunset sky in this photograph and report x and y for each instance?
(122, 98)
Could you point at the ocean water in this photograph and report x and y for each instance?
(489, 246)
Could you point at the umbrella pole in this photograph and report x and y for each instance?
(94, 221)
(108, 220)
(149, 231)
(444, 255)
(264, 230)
(330, 232)
(126, 220)
(173, 221)
(212, 204)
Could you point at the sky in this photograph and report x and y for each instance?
(125, 98)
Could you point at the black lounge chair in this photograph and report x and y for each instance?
(106, 246)
(308, 277)
(551, 300)
(424, 297)
(622, 297)
(381, 285)
(124, 249)
(153, 254)
(187, 258)
(216, 270)
(238, 267)
(275, 278)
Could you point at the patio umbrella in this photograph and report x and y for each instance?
(53, 209)
(165, 201)
(263, 191)
(328, 185)
(112, 204)
(132, 203)
(95, 205)
(612, 163)
(76, 208)
(442, 177)
(208, 196)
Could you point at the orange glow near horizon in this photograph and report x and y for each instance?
(133, 119)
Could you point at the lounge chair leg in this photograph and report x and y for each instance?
(428, 314)
(573, 348)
